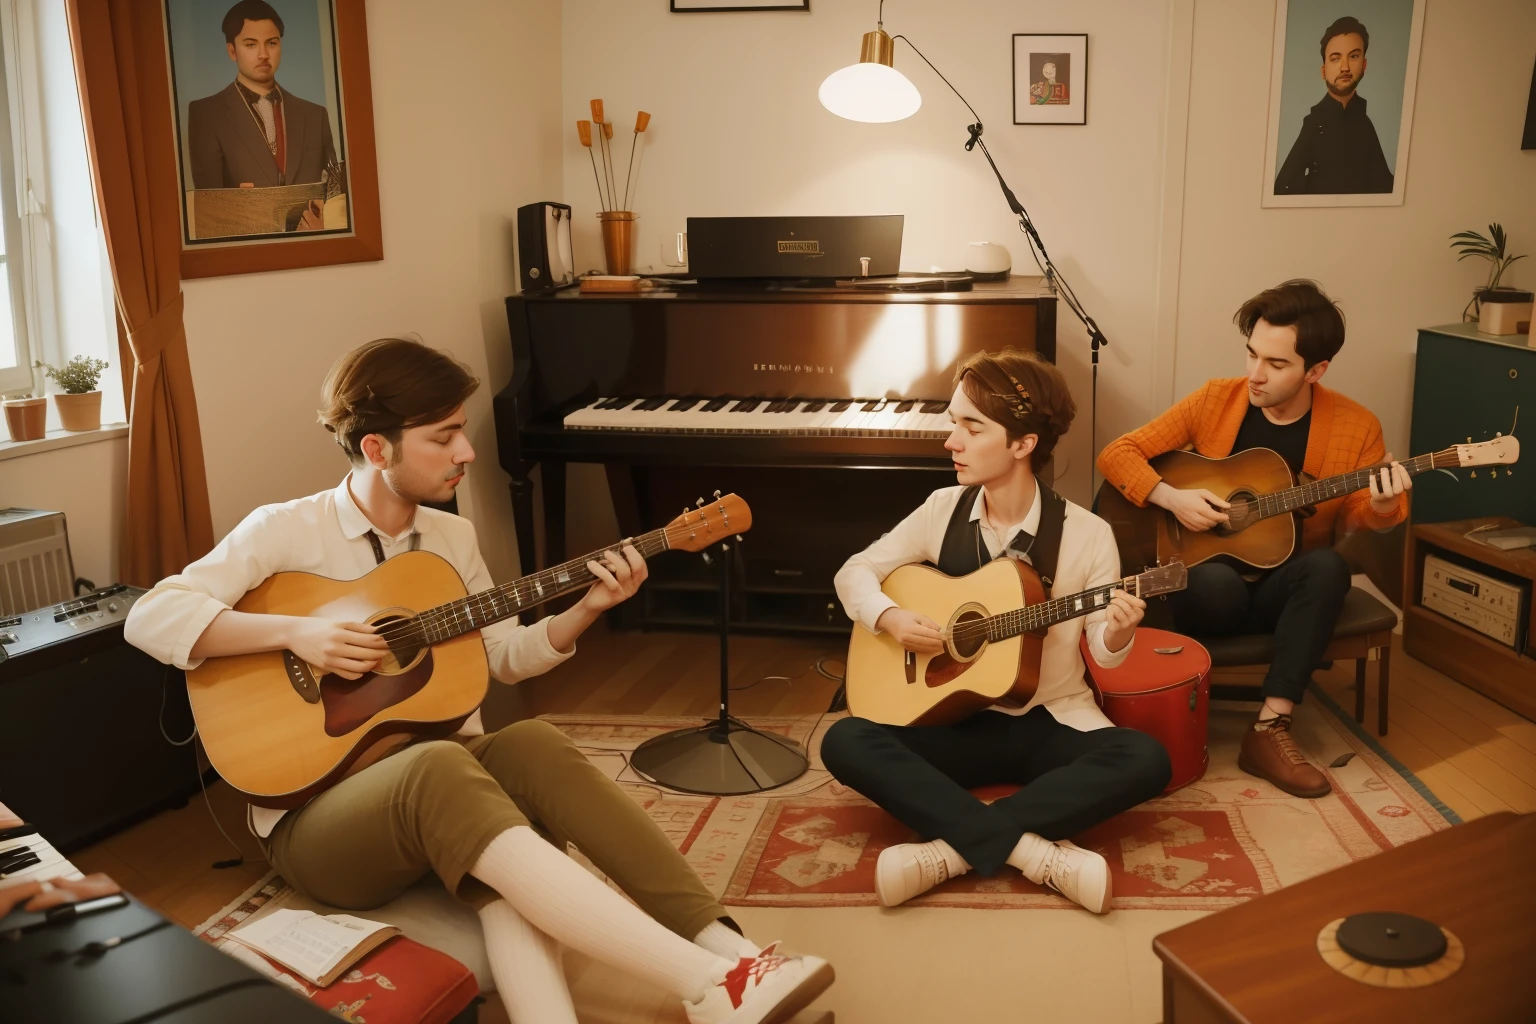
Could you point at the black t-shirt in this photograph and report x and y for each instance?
(1289, 440)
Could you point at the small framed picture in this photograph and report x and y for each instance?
(704, 6)
(1050, 78)
(1341, 102)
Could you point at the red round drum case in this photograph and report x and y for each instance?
(1163, 688)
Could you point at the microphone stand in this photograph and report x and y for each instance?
(1053, 277)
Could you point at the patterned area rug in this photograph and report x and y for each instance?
(1223, 839)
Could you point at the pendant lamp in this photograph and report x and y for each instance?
(871, 90)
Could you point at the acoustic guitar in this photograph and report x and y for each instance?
(1262, 491)
(994, 624)
(280, 731)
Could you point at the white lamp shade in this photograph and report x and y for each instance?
(870, 92)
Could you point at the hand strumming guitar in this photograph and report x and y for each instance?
(348, 649)
(912, 630)
(1198, 509)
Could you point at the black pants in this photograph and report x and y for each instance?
(1299, 602)
(1072, 780)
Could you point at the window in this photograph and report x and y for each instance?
(57, 301)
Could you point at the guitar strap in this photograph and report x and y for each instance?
(378, 545)
(963, 552)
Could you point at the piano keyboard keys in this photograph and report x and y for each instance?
(806, 417)
(32, 858)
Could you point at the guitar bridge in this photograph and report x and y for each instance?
(911, 664)
(300, 678)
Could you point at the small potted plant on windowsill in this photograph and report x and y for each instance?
(1497, 309)
(26, 418)
(79, 404)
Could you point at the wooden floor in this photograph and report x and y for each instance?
(1476, 755)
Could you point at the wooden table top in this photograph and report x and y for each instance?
(1259, 961)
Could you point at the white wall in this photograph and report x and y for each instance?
(466, 109)
(738, 130)
(1389, 266)
(89, 484)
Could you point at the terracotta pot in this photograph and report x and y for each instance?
(26, 418)
(79, 412)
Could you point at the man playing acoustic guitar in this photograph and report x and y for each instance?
(490, 814)
(1293, 332)
(1075, 768)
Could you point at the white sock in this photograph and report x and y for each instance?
(526, 965)
(1029, 856)
(724, 941)
(564, 901)
(957, 864)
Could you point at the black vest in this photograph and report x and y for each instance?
(963, 551)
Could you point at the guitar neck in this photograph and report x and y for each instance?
(1302, 495)
(1048, 613)
(467, 614)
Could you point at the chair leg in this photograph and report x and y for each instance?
(1360, 687)
(1383, 680)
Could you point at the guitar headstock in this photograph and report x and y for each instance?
(710, 523)
(1501, 451)
(1163, 579)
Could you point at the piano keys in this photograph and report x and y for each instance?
(29, 858)
(777, 392)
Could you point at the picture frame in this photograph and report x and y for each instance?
(272, 138)
(1322, 148)
(1050, 78)
(716, 6)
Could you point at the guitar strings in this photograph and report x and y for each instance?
(1037, 615)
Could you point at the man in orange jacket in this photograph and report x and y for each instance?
(1293, 331)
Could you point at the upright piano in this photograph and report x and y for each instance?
(824, 408)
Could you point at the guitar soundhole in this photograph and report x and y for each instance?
(967, 642)
(1238, 516)
(404, 647)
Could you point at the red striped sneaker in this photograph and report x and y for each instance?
(767, 989)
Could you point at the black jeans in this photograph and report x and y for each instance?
(1072, 780)
(1299, 602)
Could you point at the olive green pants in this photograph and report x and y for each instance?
(436, 806)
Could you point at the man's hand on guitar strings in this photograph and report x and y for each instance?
(912, 630)
(1387, 482)
(349, 649)
(617, 579)
(1121, 616)
(1198, 509)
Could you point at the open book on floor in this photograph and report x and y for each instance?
(317, 948)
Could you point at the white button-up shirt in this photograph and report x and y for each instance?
(324, 534)
(1088, 558)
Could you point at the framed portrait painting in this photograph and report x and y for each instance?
(1342, 83)
(274, 134)
(1050, 79)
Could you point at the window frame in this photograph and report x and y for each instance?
(18, 256)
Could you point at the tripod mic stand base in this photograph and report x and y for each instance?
(719, 759)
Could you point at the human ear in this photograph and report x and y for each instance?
(231, 48)
(1315, 373)
(1024, 445)
(377, 450)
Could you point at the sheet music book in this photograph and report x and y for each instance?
(317, 948)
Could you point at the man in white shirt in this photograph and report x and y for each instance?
(1075, 768)
(491, 815)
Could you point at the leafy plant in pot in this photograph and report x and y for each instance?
(80, 403)
(1504, 304)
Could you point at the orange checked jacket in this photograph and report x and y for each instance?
(1345, 436)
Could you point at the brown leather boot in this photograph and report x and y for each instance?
(1270, 752)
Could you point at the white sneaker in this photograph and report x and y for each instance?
(907, 870)
(767, 989)
(1080, 875)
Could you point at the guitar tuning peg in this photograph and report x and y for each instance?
(707, 559)
(700, 503)
(717, 494)
(686, 510)
(738, 538)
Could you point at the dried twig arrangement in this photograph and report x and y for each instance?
(599, 146)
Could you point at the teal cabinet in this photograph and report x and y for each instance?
(1469, 386)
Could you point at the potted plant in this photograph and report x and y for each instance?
(26, 417)
(80, 404)
(1505, 305)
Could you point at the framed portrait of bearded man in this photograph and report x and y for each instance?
(274, 134)
(1342, 83)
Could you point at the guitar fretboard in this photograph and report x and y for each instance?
(455, 618)
(1048, 613)
(1302, 495)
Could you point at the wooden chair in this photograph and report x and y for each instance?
(1365, 625)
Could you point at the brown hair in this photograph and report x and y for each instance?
(1301, 304)
(389, 384)
(1023, 392)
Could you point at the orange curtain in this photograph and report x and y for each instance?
(120, 51)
